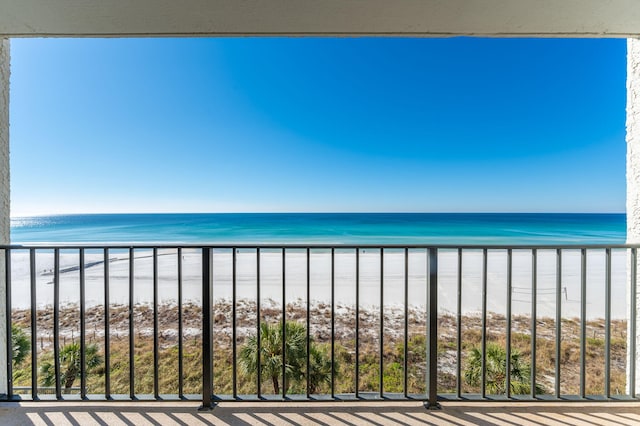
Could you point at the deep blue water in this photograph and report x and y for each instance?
(330, 228)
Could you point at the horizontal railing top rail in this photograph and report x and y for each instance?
(123, 246)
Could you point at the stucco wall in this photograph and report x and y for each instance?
(633, 141)
(4, 141)
(633, 168)
(4, 198)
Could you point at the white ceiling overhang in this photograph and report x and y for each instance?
(420, 18)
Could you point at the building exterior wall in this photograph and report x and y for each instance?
(633, 178)
(633, 141)
(4, 141)
(4, 200)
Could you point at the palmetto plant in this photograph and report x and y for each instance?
(319, 368)
(69, 365)
(20, 345)
(496, 371)
(295, 351)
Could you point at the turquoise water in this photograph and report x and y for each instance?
(328, 228)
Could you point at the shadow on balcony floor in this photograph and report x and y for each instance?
(349, 414)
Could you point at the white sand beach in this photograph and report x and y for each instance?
(271, 278)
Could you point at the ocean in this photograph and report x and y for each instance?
(324, 228)
(338, 229)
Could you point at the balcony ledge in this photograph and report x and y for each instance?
(328, 413)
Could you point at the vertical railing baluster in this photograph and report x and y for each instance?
(34, 328)
(308, 337)
(381, 354)
(284, 325)
(83, 337)
(633, 319)
(258, 325)
(508, 331)
(534, 322)
(234, 336)
(207, 331)
(405, 354)
(459, 329)
(483, 340)
(156, 340)
(432, 292)
(333, 325)
(107, 328)
(558, 320)
(357, 348)
(132, 389)
(607, 326)
(583, 323)
(56, 321)
(7, 277)
(180, 331)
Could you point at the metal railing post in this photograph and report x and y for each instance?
(483, 332)
(34, 322)
(207, 340)
(180, 330)
(534, 323)
(432, 326)
(507, 382)
(9, 355)
(107, 329)
(558, 351)
(405, 355)
(607, 326)
(583, 323)
(459, 328)
(132, 348)
(333, 323)
(357, 348)
(284, 325)
(234, 318)
(633, 319)
(83, 333)
(56, 321)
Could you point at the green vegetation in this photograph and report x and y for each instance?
(295, 353)
(319, 374)
(320, 371)
(20, 345)
(496, 371)
(69, 365)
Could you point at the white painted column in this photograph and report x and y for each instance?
(4, 202)
(633, 185)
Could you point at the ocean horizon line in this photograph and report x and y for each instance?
(19, 216)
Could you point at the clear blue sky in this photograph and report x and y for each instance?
(233, 125)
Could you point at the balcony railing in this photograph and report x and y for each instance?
(238, 322)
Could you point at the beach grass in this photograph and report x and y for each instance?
(344, 353)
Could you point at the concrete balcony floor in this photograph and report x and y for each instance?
(320, 413)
